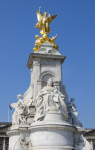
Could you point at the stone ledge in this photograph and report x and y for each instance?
(44, 56)
(53, 126)
(52, 147)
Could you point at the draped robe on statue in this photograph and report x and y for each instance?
(50, 99)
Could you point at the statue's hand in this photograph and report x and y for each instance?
(13, 105)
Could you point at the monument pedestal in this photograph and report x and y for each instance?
(47, 137)
(45, 63)
(52, 133)
(16, 135)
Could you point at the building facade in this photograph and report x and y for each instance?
(90, 136)
(4, 139)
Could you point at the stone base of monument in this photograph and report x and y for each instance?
(52, 133)
(52, 136)
(16, 136)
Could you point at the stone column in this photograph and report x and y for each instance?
(59, 73)
(36, 74)
(4, 146)
(92, 144)
(31, 75)
(39, 85)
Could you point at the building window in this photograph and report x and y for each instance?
(7, 147)
(0, 146)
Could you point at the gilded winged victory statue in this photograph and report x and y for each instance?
(43, 25)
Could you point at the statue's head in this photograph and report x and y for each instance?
(36, 36)
(72, 100)
(45, 13)
(50, 82)
(19, 96)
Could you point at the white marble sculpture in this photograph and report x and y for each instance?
(25, 144)
(72, 110)
(82, 144)
(20, 112)
(49, 99)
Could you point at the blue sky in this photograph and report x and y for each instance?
(75, 26)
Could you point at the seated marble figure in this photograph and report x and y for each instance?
(50, 99)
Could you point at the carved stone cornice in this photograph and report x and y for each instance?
(36, 56)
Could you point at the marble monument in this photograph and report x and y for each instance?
(45, 119)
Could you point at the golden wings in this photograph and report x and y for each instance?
(44, 22)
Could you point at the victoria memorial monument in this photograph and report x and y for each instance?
(44, 119)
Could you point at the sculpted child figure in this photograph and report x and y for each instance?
(73, 113)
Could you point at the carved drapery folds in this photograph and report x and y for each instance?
(50, 99)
